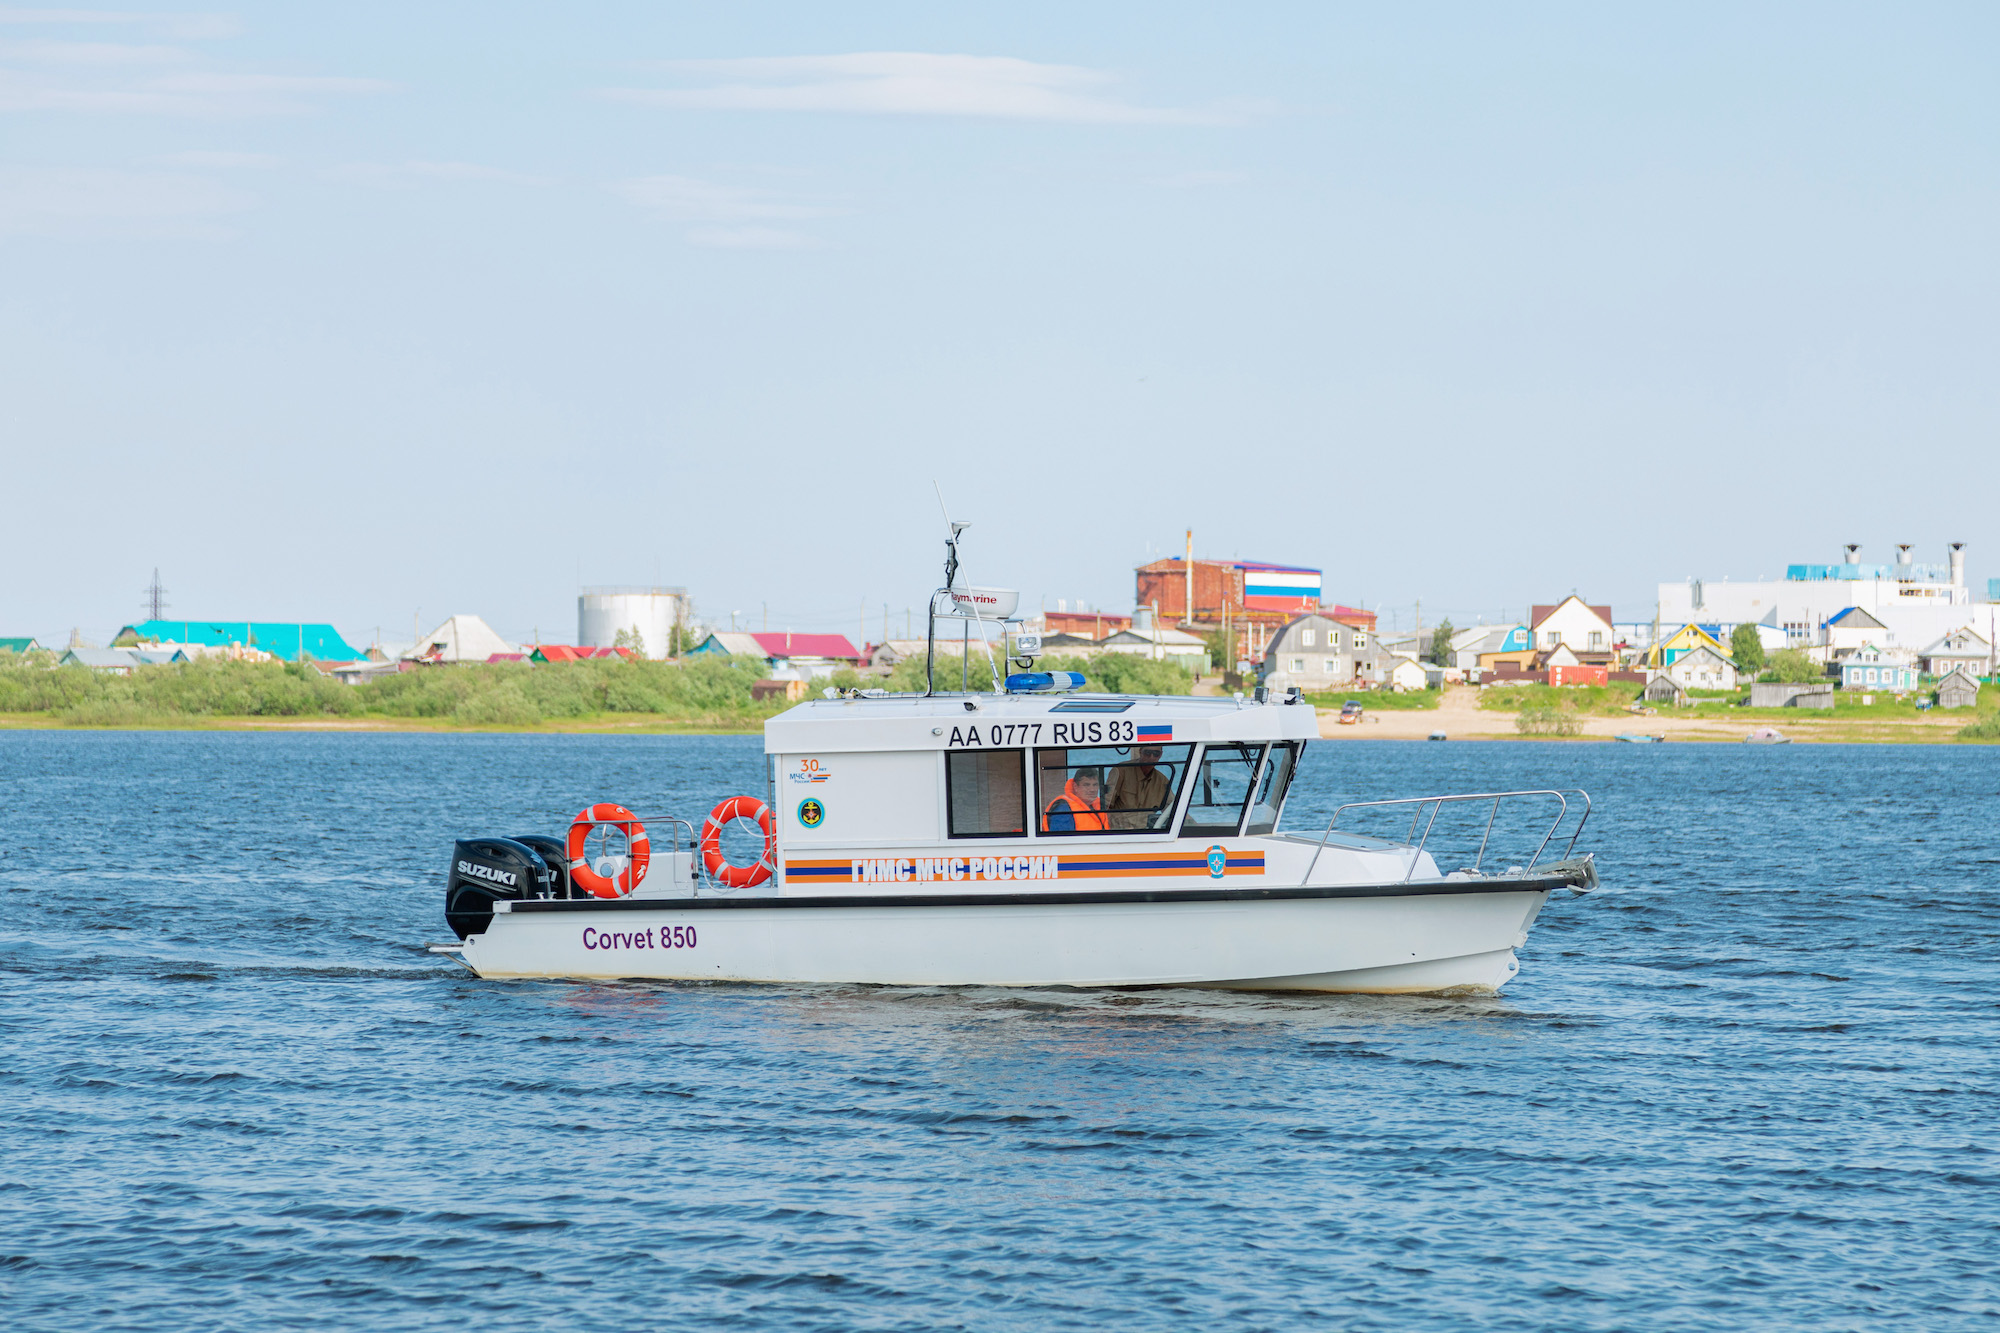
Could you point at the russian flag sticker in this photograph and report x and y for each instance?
(1155, 735)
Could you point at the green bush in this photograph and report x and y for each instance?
(1985, 729)
(1103, 673)
(1550, 718)
(709, 690)
(1791, 666)
(1603, 700)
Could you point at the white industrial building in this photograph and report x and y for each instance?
(652, 613)
(1916, 604)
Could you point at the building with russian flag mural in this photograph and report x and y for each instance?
(1255, 596)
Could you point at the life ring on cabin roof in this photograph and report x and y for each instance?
(735, 876)
(580, 872)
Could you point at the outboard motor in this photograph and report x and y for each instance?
(486, 869)
(557, 856)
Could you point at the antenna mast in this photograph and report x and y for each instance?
(156, 598)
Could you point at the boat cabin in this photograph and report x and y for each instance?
(979, 790)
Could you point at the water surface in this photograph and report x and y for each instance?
(1749, 1084)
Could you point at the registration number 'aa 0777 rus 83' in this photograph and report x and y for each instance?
(1111, 731)
(653, 937)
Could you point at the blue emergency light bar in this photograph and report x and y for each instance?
(1044, 682)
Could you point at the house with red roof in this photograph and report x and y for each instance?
(786, 654)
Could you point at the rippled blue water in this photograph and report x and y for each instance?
(1750, 1084)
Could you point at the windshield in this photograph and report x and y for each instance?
(1221, 789)
(1271, 785)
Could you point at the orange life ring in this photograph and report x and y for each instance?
(580, 873)
(735, 876)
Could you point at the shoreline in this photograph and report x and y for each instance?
(627, 725)
(1458, 716)
(1461, 718)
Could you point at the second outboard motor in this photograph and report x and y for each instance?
(557, 856)
(486, 869)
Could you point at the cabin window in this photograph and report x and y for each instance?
(1306, 637)
(983, 793)
(1298, 665)
(1109, 788)
(1597, 638)
(1360, 640)
(1271, 786)
(1329, 665)
(1221, 790)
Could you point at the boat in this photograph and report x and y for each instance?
(1641, 738)
(1033, 835)
(1767, 736)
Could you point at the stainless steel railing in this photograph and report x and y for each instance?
(1437, 803)
(655, 825)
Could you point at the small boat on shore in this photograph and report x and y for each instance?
(1640, 738)
(1031, 836)
(1767, 736)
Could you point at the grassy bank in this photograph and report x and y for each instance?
(705, 695)
(1541, 709)
(1381, 701)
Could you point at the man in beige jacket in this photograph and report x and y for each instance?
(1140, 790)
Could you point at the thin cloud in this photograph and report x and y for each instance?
(135, 79)
(1201, 180)
(403, 173)
(221, 161)
(732, 217)
(751, 238)
(911, 83)
(71, 201)
(191, 27)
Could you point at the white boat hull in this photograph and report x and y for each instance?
(1391, 939)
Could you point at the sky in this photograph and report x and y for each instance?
(373, 314)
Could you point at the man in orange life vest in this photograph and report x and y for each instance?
(1076, 810)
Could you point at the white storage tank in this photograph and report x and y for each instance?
(653, 612)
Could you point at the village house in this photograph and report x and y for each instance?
(1572, 623)
(1958, 689)
(1960, 648)
(1316, 652)
(1849, 631)
(1484, 647)
(1147, 638)
(787, 655)
(1703, 668)
(1684, 640)
(1872, 668)
(1406, 673)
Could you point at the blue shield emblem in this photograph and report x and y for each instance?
(1218, 861)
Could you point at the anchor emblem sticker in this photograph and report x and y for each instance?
(811, 813)
(1218, 861)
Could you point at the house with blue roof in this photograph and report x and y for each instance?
(287, 642)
